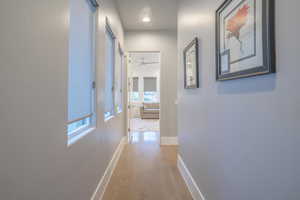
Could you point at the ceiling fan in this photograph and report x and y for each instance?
(143, 62)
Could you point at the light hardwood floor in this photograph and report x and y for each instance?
(138, 124)
(147, 171)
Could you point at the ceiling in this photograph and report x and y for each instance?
(163, 14)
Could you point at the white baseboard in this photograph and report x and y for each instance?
(168, 141)
(189, 180)
(99, 192)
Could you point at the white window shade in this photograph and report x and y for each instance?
(109, 76)
(150, 84)
(118, 80)
(80, 60)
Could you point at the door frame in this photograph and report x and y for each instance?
(128, 111)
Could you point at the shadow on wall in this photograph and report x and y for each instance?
(263, 83)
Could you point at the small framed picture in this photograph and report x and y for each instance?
(245, 39)
(191, 62)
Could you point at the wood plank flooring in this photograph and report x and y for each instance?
(147, 171)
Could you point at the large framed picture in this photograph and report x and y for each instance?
(245, 42)
(191, 62)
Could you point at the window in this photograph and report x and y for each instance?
(79, 125)
(119, 80)
(150, 97)
(110, 70)
(135, 96)
(81, 85)
(150, 90)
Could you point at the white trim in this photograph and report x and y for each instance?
(189, 180)
(169, 140)
(106, 119)
(99, 192)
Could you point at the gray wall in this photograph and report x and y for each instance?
(240, 138)
(164, 41)
(35, 160)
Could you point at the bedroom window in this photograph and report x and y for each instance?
(150, 90)
(81, 83)
(119, 80)
(109, 108)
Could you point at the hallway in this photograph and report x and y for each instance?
(206, 89)
(147, 171)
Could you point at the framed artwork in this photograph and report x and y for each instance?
(245, 42)
(191, 62)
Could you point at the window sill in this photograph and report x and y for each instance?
(73, 139)
(109, 118)
(118, 111)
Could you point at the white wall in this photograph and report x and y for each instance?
(35, 160)
(240, 138)
(146, 71)
(143, 71)
(165, 42)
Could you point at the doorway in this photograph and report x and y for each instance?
(143, 94)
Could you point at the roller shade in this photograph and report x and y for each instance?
(150, 84)
(135, 84)
(118, 79)
(110, 65)
(80, 60)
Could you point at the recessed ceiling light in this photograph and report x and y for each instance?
(146, 19)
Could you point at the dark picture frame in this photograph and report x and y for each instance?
(191, 67)
(266, 54)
